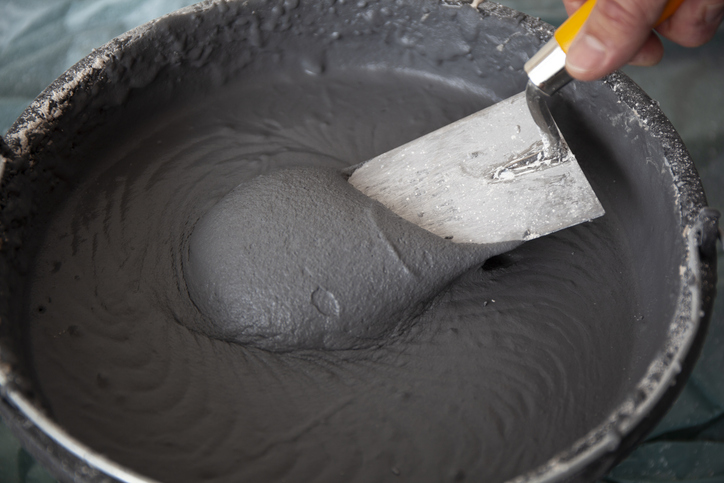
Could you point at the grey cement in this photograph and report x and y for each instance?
(479, 377)
(298, 258)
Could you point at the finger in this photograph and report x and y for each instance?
(694, 23)
(572, 5)
(614, 32)
(650, 53)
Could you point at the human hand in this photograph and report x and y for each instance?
(620, 31)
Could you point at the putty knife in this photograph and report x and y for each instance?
(504, 173)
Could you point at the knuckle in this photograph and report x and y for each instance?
(696, 38)
(696, 25)
(625, 15)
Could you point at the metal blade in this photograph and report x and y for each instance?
(490, 177)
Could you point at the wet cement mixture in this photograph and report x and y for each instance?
(490, 376)
(299, 259)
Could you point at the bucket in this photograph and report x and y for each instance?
(84, 382)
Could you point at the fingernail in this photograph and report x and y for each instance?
(585, 54)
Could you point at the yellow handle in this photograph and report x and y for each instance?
(568, 31)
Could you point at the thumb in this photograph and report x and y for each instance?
(614, 32)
